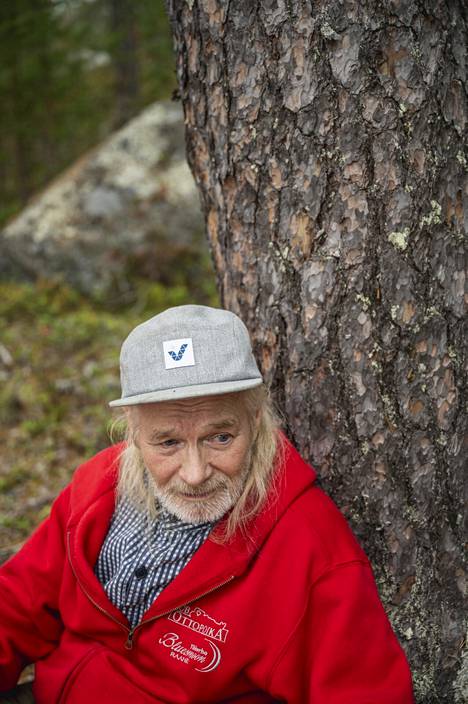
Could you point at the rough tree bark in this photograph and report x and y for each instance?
(327, 141)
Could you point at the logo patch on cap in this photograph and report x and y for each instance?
(178, 353)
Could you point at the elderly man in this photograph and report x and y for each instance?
(197, 561)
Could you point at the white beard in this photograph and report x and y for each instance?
(224, 493)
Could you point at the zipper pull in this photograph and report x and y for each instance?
(129, 641)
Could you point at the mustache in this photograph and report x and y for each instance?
(187, 490)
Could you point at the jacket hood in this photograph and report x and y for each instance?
(214, 562)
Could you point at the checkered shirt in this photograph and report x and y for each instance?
(138, 560)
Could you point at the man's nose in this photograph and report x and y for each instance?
(195, 468)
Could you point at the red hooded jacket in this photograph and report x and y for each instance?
(290, 615)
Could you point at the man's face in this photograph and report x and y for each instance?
(197, 452)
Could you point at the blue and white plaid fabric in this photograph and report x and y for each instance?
(137, 560)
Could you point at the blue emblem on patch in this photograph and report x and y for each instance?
(177, 357)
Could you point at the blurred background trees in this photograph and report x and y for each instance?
(71, 71)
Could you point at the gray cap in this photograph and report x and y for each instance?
(184, 352)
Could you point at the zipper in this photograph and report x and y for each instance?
(103, 611)
(131, 631)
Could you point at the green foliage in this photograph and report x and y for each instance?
(16, 475)
(44, 299)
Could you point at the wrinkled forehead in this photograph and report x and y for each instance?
(203, 410)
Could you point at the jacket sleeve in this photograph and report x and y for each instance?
(30, 624)
(343, 649)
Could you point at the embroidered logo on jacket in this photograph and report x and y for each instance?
(197, 650)
(178, 353)
(193, 653)
(198, 620)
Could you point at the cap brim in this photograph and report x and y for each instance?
(224, 387)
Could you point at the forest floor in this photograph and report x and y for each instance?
(59, 368)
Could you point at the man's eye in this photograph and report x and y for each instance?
(222, 438)
(168, 443)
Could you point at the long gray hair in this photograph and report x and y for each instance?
(266, 456)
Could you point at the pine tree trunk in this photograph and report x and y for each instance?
(327, 141)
